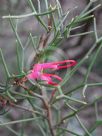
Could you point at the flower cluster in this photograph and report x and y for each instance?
(38, 70)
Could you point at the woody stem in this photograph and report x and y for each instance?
(49, 114)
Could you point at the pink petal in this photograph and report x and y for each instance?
(36, 72)
(49, 65)
(33, 75)
(45, 77)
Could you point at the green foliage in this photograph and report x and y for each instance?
(36, 93)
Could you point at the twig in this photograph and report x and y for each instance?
(49, 114)
(52, 95)
(26, 109)
(30, 91)
(46, 106)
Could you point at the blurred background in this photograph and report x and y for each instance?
(74, 47)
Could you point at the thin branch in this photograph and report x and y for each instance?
(49, 113)
(26, 109)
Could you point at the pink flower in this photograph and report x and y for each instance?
(37, 71)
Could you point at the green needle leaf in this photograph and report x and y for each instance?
(4, 64)
(19, 121)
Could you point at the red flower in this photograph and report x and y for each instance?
(37, 71)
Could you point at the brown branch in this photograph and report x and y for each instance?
(45, 104)
(30, 91)
(49, 114)
(26, 109)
